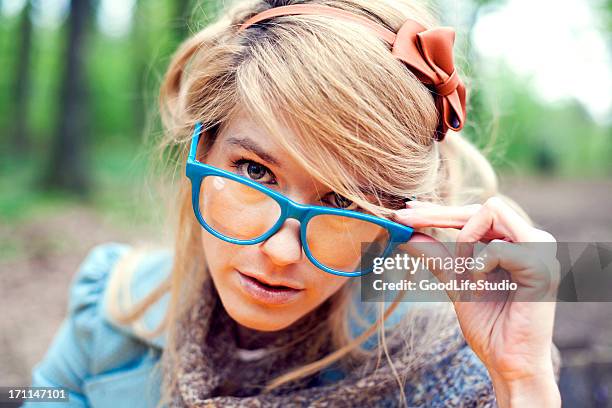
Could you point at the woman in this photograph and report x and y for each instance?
(347, 106)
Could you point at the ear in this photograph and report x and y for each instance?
(202, 147)
(205, 144)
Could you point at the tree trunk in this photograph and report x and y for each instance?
(22, 83)
(142, 61)
(67, 169)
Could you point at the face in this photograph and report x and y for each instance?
(238, 271)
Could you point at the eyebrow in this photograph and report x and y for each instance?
(253, 147)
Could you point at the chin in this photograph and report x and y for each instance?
(256, 317)
(248, 312)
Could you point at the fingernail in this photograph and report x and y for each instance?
(405, 212)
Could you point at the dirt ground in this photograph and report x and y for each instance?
(34, 285)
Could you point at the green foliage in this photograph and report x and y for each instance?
(119, 171)
(534, 136)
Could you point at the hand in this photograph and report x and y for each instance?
(511, 334)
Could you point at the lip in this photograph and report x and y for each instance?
(290, 285)
(256, 289)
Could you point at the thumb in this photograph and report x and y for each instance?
(425, 246)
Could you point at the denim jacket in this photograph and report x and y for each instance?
(100, 362)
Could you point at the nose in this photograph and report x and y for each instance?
(285, 246)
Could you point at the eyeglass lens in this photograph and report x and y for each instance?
(240, 212)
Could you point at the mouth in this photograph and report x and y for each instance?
(267, 292)
(270, 284)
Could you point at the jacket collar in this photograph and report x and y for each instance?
(134, 276)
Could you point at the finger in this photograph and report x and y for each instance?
(510, 224)
(481, 226)
(427, 247)
(505, 222)
(543, 242)
(436, 216)
(417, 203)
(536, 279)
(515, 228)
(473, 231)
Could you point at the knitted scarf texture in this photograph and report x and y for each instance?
(208, 372)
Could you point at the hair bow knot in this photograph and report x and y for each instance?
(429, 54)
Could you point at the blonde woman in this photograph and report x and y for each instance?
(304, 128)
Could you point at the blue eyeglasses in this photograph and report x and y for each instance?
(242, 211)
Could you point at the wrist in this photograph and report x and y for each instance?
(537, 390)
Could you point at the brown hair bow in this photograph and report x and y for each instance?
(427, 53)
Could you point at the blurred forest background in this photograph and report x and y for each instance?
(78, 92)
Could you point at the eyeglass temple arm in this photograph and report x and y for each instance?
(195, 138)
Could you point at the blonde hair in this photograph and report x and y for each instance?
(363, 125)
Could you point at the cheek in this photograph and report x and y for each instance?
(323, 284)
(221, 252)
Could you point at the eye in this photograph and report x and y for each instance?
(253, 170)
(338, 201)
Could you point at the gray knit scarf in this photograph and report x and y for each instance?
(209, 373)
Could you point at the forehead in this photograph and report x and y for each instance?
(242, 126)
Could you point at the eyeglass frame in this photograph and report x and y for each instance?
(196, 171)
